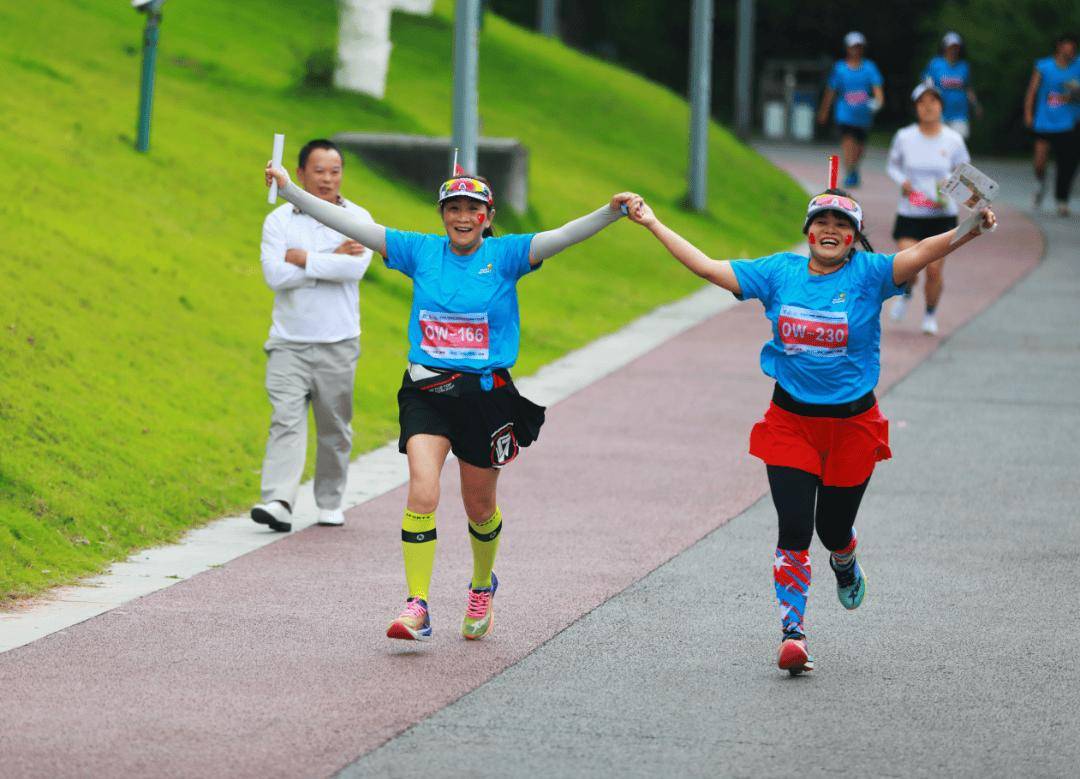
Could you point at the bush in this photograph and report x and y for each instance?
(317, 70)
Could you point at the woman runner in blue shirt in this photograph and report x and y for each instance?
(951, 74)
(1050, 110)
(823, 433)
(855, 85)
(457, 394)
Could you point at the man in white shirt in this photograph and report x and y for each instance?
(314, 343)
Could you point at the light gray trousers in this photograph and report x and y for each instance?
(298, 374)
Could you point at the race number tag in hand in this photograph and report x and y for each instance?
(824, 333)
(973, 189)
(455, 336)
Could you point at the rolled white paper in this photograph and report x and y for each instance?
(275, 157)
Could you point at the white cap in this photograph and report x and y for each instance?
(952, 39)
(854, 38)
(925, 86)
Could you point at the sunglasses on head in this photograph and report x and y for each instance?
(835, 201)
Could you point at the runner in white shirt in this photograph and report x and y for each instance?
(314, 343)
(921, 157)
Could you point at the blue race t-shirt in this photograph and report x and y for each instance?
(1053, 113)
(854, 89)
(826, 344)
(464, 308)
(953, 79)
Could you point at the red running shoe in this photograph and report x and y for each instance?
(794, 657)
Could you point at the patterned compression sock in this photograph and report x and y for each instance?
(842, 558)
(791, 575)
(484, 539)
(418, 549)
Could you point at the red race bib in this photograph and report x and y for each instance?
(823, 333)
(455, 336)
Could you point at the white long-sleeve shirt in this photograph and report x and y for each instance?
(925, 161)
(319, 303)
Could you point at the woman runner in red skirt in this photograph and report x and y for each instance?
(823, 432)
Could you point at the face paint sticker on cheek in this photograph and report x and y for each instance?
(848, 239)
(480, 218)
(811, 239)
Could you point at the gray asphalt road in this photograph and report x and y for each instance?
(959, 663)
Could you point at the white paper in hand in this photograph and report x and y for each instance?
(973, 189)
(275, 158)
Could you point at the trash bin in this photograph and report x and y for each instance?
(802, 116)
(775, 120)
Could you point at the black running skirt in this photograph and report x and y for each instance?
(919, 227)
(485, 428)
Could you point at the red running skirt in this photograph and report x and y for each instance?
(841, 452)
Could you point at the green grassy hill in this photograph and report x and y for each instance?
(132, 307)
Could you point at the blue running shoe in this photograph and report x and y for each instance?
(850, 583)
(852, 179)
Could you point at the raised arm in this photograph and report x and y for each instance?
(719, 272)
(371, 235)
(908, 263)
(551, 242)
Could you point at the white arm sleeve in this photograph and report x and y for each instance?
(373, 236)
(551, 242)
(895, 166)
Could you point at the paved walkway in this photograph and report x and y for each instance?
(959, 663)
(274, 665)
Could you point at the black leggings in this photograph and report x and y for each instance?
(794, 493)
(1066, 150)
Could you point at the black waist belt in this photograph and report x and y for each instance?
(782, 399)
(458, 382)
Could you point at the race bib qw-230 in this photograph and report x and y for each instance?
(823, 333)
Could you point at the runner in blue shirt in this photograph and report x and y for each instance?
(951, 74)
(823, 432)
(855, 85)
(457, 394)
(1050, 110)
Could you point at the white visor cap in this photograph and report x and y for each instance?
(952, 39)
(854, 38)
(925, 86)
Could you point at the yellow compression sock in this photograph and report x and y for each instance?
(484, 538)
(418, 549)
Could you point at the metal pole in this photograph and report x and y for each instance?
(466, 63)
(146, 86)
(701, 24)
(744, 60)
(548, 13)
